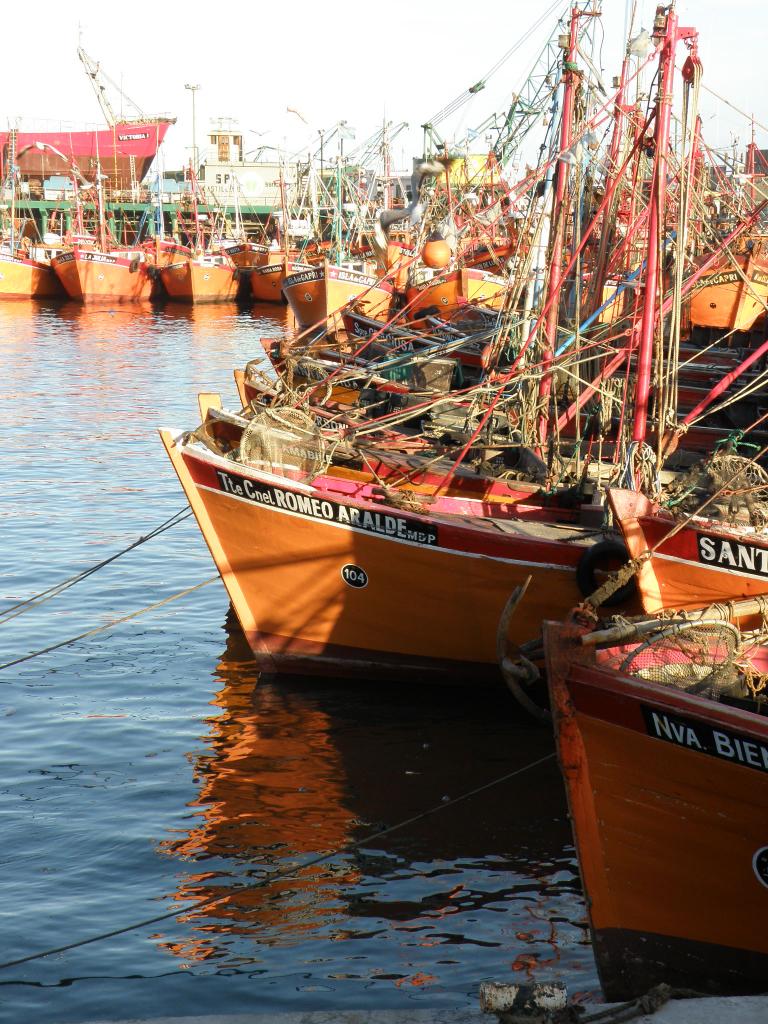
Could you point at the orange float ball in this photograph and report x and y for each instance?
(436, 253)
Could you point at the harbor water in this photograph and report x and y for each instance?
(150, 766)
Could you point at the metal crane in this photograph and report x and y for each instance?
(95, 74)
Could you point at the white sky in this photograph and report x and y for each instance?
(332, 60)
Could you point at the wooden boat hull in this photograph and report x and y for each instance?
(490, 256)
(668, 796)
(246, 255)
(24, 278)
(700, 564)
(450, 292)
(731, 297)
(92, 276)
(325, 583)
(267, 280)
(195, 281)
(316, 295)
(162, 253)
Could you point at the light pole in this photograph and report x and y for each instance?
(342, 136)
(195, 162)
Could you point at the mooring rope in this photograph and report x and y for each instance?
(108, 625)
(58, 588)
(644, 1006)
(283, 873)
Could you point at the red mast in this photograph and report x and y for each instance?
(621, 112)
(667, 33)
(558, 223)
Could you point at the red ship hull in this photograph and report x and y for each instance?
(125, 151)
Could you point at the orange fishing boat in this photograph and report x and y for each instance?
(91, 275)
(489, 255)
(447, 292)
(267, 280)
(733, 294)
(245, 255)
(325, 576)
(162, 252)
(22, 277)
(317, 294)
(206, 278)
(667, 792)
(690, 562)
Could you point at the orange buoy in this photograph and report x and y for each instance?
(436, 253)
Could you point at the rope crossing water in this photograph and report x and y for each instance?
(45, 595)
(276, 875)
(108, 625)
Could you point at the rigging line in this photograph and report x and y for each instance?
(453, 105)
(109, 625)
(541, 318)
(458, 397)
(753, 185)
(284, 873)
(733, 106)
(58, 588)
(744, 391)
(603, 113)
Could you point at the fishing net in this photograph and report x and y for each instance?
(256, 373)
(284, 441)
(745, 487)
(728, 486)
(736, 471)
(700, 658)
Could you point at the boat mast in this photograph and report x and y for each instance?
(387, 167)
(159, 217)
(570, 78)
(338, 254)
(749, 164)
(667, 33)
(100, 203)
(620, 116)
(239, 232)
(13, 178)
(96, 75)
(199, 235)
(284, 210)
(313, 189)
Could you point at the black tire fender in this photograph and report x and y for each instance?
(606, 555)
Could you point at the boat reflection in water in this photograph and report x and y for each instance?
(271, 787)
(294, 768)
(127, 336)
